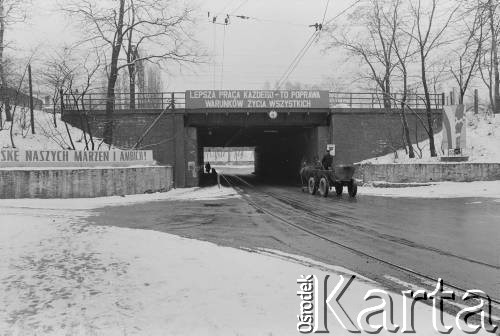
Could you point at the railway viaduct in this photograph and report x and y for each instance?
(285, 127)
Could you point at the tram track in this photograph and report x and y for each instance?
(299, 204)
(236, 182)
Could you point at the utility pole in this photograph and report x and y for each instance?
(476, 101)
(32, 115)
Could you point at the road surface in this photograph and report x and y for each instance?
(453, 239)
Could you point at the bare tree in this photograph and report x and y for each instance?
(11, 12)
(69, 73)
(384, 48)
(153, 86)
(435, 75)
(158, 26)
(429, 36)
(403, 48)
(78, 94)
(489, 60)
(10, 68)
(375, 44)
(495, 32)
(59, 72)
(150, 26)
(18, 91)
(469, 50)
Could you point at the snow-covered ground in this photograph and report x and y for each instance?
(233, 166)
(234, 170)
(61, 276)
(483, 143)
(439, 190)
(182, 194)
(46, 135)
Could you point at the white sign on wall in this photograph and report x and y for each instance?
(331, 149)
(228, 154)
(267, 99)
(454, 129)
(70, 158)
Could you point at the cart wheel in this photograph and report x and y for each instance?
(339, 189)
(352, 188)
(312, 186)
(324, 187)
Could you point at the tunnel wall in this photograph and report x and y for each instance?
(361, 134)
(170, 141)
(429, 172)
(83, 182)
(357, 133)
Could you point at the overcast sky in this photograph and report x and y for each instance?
(256, 51)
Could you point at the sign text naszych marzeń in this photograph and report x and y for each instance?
(49, 158)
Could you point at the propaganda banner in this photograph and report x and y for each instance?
(252, 99)
(73, 158)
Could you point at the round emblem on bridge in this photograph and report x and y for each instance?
(273, 114)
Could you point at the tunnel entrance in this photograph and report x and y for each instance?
(279, 151)
(283, 126)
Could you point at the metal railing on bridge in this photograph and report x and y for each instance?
(143, 101)
(177, 100)
(376, 100)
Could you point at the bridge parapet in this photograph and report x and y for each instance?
(376, 100)
(177, 100)
(143, 101)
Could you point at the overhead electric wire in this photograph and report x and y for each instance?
(324, 14)
(237, 8)
(223, 56)
(228, 4)
(302, 56)
(296, 59)
(304, 50)
(246, 17)
(214, 54)
(214, 19)
(343, 12)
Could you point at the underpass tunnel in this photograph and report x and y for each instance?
(278, 151)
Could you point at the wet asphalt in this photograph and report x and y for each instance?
(453, 239)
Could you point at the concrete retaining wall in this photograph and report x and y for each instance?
(428, 172)
(85, 182)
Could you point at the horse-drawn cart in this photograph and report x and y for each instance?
(316, 179)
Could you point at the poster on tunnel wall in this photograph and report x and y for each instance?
(454, 129)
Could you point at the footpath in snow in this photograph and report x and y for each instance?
(182, 194)
(61, 276)
(47, 137)
(438, 190)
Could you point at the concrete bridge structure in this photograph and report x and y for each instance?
(285, 127)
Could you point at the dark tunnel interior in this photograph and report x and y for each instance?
(279, 151)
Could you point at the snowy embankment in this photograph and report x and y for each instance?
(47, 136)
(489, 189)
(61, 276)
(182, 194)
(483, 143)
